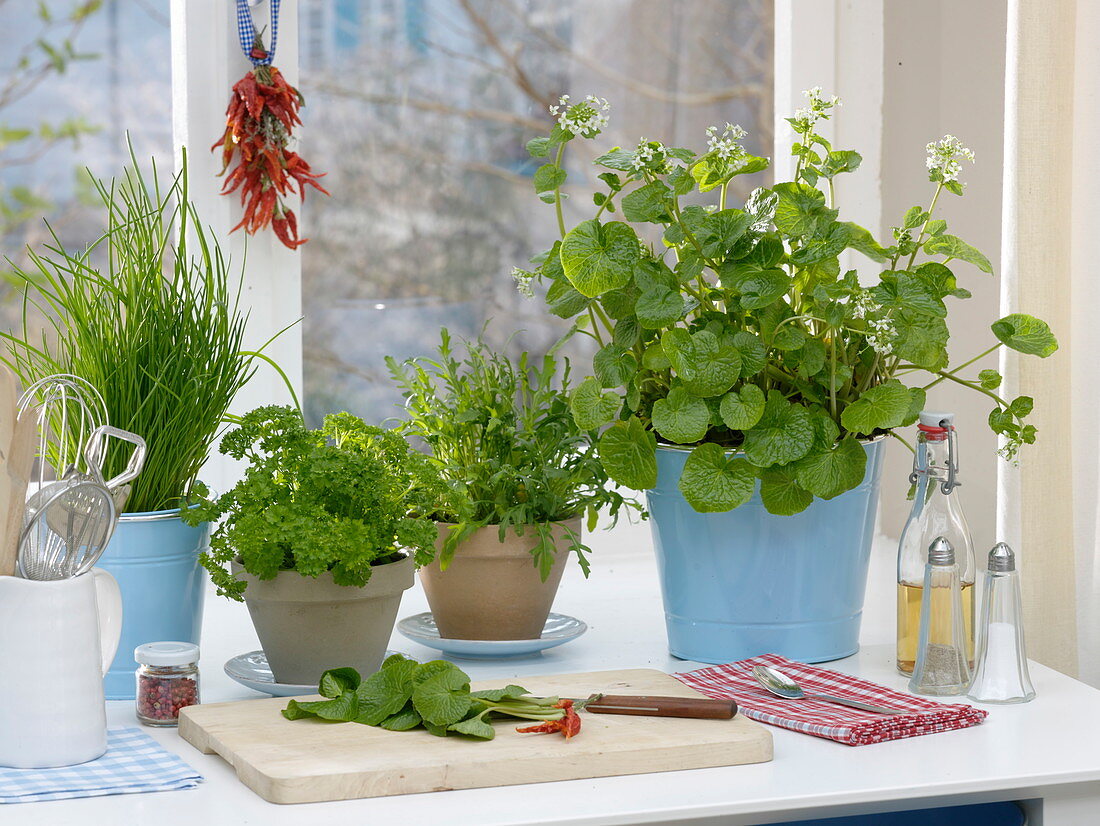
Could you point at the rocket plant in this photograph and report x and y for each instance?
(732, 329)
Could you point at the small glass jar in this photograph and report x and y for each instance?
(167, 680)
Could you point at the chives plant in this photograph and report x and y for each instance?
(148, 314)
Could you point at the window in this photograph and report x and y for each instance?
(420, 111)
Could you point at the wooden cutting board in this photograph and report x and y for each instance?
(305, 761)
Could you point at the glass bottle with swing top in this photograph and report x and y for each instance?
(936, 512)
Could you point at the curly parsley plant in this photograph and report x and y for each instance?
(342, 499)
(731, 328)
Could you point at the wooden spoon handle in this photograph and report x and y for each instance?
(649, 706)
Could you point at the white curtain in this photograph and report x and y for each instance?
(1051, 257)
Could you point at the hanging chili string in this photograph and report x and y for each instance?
(260, 121)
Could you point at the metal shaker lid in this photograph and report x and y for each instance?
(941, 552)
(1001, 558)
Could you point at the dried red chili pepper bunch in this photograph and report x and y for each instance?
(260, 121)
(568, 725)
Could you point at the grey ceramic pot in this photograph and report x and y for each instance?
(308, 625)
(492, 589)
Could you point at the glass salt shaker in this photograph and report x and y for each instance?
(167, 680)
(942, 667)
(1001, 674)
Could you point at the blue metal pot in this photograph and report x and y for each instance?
(747, 582)
(154, 557)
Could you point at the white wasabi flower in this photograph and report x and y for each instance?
(726, 146)
(524, 282)
(863, 305)
(585, 119)
(882, 335)
(806, 117)
(649, 155)
(943, 158)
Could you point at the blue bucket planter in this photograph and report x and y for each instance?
(748, 582)
(155, 559)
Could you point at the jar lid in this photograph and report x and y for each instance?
(167, 653)
(937, 419)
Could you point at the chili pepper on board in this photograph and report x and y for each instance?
(569, 724)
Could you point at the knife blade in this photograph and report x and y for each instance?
(702, 708)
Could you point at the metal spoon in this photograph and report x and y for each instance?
(783, 686)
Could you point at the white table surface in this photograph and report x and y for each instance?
(1049, 748)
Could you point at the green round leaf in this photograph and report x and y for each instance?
(629, 454)
(599, 257)
(548, 177)
(614, 365)
(706, 364)
(763, 288)
(681, 417)
(921, 339)
(564, 301)
(831, 472)
(591, 407)
(648, 203)
(659, 307)
(711, 482)
(754, 356)
(742, 409)
(880, 408)
(654, 357)
(954, 247)
(781, 493)
(1025, 334)
(784, 433)
(441, 695)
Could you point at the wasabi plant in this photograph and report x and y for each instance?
(732, 328)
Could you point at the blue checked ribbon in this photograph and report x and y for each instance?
(134, 762)
(246, 29)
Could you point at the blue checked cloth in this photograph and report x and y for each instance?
(246, 31)
(133, 763)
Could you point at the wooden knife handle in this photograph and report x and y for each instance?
(698, 707)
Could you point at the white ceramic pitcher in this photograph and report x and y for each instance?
(57, 640)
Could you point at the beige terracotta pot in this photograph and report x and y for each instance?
(307, 625)
(492, 590)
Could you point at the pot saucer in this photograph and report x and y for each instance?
(252, 671)
(559, 629)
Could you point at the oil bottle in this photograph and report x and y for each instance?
(936, 512)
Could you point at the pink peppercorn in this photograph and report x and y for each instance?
(167, 681)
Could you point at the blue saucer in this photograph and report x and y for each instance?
(559, 629)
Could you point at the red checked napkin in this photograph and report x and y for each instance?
(834, 722)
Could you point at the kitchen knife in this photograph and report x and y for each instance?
(701, 708)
